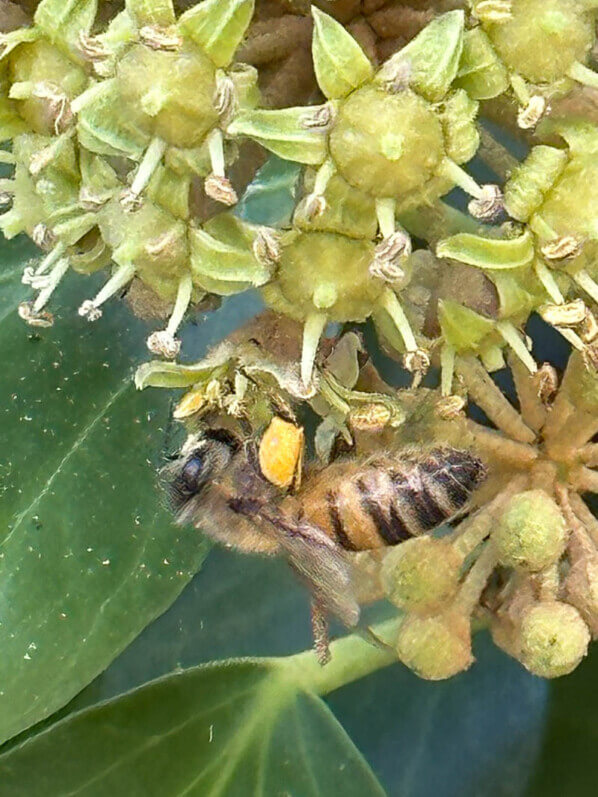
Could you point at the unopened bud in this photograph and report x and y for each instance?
(421, 575)
(435, 647)
(531, 532)
(554, 639)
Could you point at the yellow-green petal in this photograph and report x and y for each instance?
(283, 133)
(530, 182)
(488, 253)
(339, 62)
(481, 72)
(461, 327)
(151, 12)
(218, 27)
(64, 20)
(432, 56)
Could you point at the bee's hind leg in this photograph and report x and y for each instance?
(319, 629)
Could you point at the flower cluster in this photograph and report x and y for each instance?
(125, 136)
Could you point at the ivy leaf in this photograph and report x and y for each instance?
(239, 727)
(88, 554)
(339, 62)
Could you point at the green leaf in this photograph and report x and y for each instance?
(64, 20)
(218, 27)
(88, 554)
(339, 62)
(283, 133)
(568, 764)
(151, 12)
(270, 198)
(432, 56)
(235, 728)
(490, 253)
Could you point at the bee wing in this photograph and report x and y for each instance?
(319, 563)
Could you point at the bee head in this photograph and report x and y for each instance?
(202, 458)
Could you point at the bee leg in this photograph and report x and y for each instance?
(319, 629)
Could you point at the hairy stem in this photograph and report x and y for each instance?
(352, 658)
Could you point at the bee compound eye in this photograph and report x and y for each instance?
(193, 472)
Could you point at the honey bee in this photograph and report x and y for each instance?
(250, 494)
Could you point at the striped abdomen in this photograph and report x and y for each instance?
(370, 505)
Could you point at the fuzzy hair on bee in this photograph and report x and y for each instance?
(222, 484)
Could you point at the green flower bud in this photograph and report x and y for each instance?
(531, 532)
(554, 639)
(542, 38)
(435, 647)
(421, 575)
(310, 277)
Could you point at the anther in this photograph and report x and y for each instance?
(530, 114)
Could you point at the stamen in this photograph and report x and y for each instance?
(163, 342)
(48, 261)
(90, 309)
(447, 369)
(394, 309)
(583, 279)
(315, 323)
(548, 282)
(488, 199)
(385, 212)
(513, 339)
(130, 199)
(315, 204)
(583, 75)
